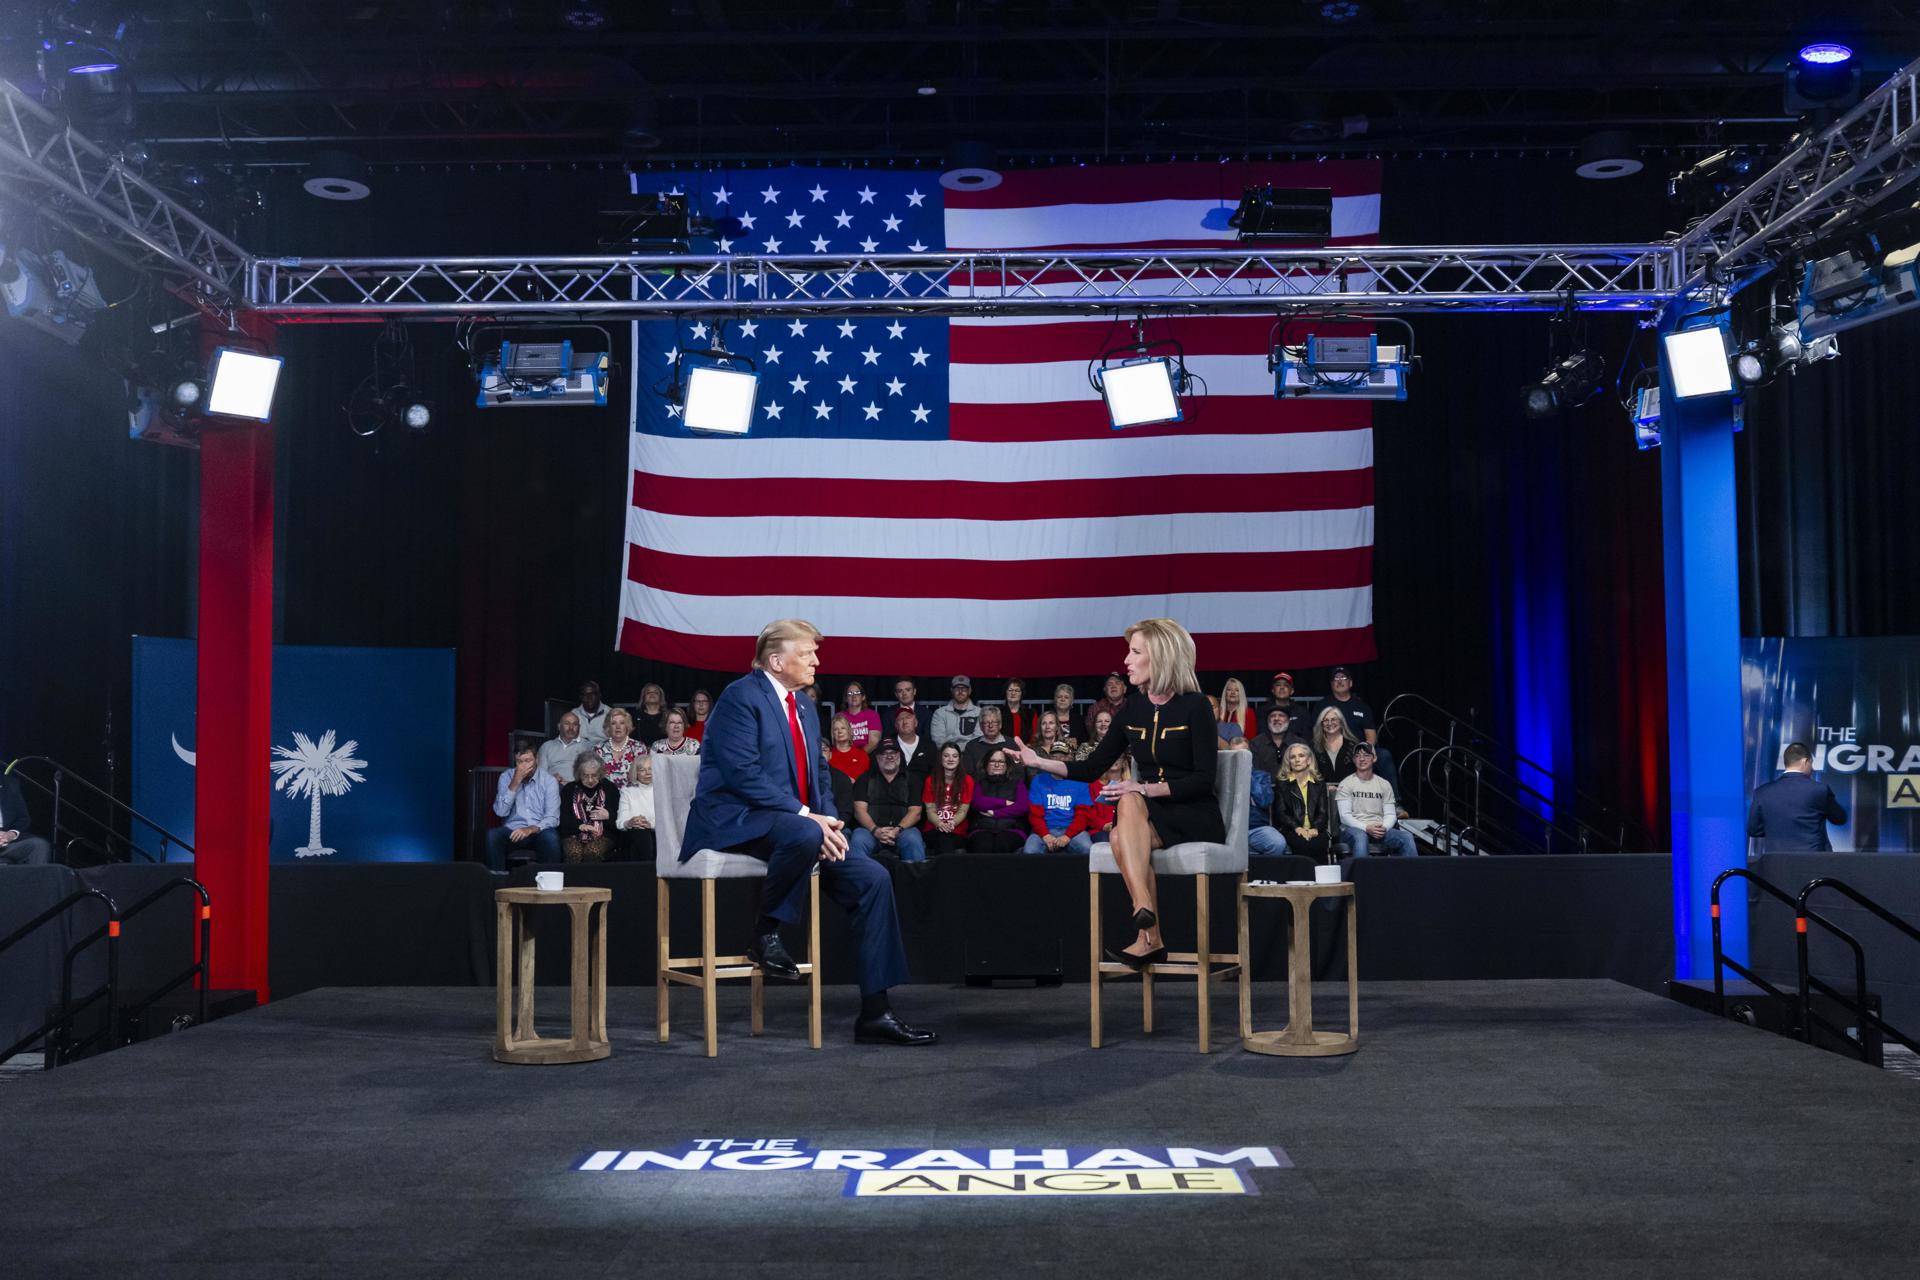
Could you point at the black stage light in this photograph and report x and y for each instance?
(1712, 180)
(1572, 381)
(1284, 213)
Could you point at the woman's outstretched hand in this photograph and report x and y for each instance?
(1023, 754)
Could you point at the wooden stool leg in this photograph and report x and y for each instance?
(1300, 975)
(1203, 923)
(597, 918)
(662, 951)
(756, 1003)
(710, 981)
(1245, 951)
(523, 932)
(1146, 1001)
(1353, 970)
(813, 958)
(1093, 953)
(502, 976)
(580, 978)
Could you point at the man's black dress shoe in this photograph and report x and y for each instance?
(1137, 962)
(770, 954)
(886, 1028)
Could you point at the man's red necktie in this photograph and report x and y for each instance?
(800, 761)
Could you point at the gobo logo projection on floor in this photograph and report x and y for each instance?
(966, 1171)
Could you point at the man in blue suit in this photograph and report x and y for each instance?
(1792, 812)
(764, 791)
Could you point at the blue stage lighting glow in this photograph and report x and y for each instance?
(1825, 55)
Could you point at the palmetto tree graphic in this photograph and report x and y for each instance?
(311, 770)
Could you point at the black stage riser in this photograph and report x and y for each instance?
(1893, 960)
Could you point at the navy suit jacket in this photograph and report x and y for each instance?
(746, 768)
(1792, 813)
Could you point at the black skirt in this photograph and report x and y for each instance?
(1182, 821)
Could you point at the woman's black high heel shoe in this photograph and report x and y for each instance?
(1144, 919)
(1137, 962)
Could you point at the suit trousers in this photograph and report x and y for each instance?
(862, 887)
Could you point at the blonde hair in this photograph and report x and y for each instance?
(1320, 730)
(833, 726)
(779, 633)
(1170, 650)
(1313, 765)
(1238, 709)
(620, 713)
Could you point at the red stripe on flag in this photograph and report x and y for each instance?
(1125, 184)
(1218, 651)
(1207, 415)
(1045, 340)
(1193, 242)
(1005, 500)
(1342, 569)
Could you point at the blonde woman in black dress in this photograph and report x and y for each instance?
(1168, 726)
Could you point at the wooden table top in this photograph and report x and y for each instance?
(1258, 889)
(533, 897)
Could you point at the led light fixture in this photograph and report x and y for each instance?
(1697, 362)
(1646, 417)
(1268, 214)
(242, 383)
(719, 399)
(1573, 380)
(1140, 392)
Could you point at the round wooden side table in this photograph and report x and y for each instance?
(1299, 1039)
(515, 1039)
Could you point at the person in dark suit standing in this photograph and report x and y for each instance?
(764, 791)
(1791, 813)
(19, 847)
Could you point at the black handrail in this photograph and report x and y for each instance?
(1722, 961)
(1580, 834)
(201, 968)
(1857, 1006)
(68, 1009)
(63, 776)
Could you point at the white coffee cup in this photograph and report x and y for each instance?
(557, 879)
(1325, 873)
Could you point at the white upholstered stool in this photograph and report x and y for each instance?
(1201, 860)
(674, 781)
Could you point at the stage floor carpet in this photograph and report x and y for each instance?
(1484, 1129)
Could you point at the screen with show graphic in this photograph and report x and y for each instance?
(362, 749)
(1856, 703)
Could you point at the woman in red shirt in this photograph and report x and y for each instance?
(701, 704)
(948, 792)
(1017, 719)
(1234, 709)
(844, 755)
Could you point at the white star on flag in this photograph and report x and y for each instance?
(896, 330)
(895, 386)
(819, 195)
(722, 196)
(773, 246)
(823, 410)
(914, 198)
(869, 245)
(846, 385)
(700, 330)
(795, 217)
(746, 222)
(799, 385)
(892, 223)
(846, 328)
(748, 328)
(920, 413)
(843, 219)
(919, 355)
(872, 410)
(820, 355)
(673, 353)
(726, 246)
(773, 408)
(673, 411)
(798, 328)
(870, 356)
(771, 355)
(916, 247)
(769, 195)
(866, 195)
(819, 244)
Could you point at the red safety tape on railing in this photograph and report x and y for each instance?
(1799, 924)
(206, 912)
(1715, 910)
(113, 928)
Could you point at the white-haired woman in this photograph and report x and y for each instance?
(1168, 726)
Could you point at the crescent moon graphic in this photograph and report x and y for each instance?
(181, 751)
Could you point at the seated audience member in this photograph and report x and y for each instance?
(958, 721)
(592, 713)
(621, 748)
(1262, 836)
(677, 741)
(1102, 721)
(841, 751)
(1282, 692)
(1057, 813)
(864, 719)
(650, 718)
(1045, 735)
(19, 847)
(528, 801)
(886, 808)
(907, 694)
(587, 808)
(1062, 708)
(1332, 748)
(558, 754)
(946, 798)
(635, 819)
(1017, 718)
(916, 753)
(1301, 810)
(1099, 815)
(998, 820)
(1236, 710)
(1361, 721)
(701, 706)
(1269, 746)
(1228, 730)
(1113, 697)
(991, 742)
(1367, 810)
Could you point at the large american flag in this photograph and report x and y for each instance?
(948, 495)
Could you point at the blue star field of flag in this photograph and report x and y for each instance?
(821, 376)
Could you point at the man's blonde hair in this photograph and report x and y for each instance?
(1170, 649)
(779, 633)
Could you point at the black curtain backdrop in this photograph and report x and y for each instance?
(1518, 565)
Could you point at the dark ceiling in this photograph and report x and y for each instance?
(270, 82)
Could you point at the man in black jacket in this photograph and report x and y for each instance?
(18, 845)
(1791, 813)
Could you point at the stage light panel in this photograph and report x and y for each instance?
(1697, 362)
(242, 384)
(1140, 392)
(720, 400)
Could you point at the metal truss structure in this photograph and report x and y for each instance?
(94, 195)
(1837, 176)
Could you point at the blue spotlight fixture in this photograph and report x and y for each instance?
(1824, 76)
(1826, 54)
